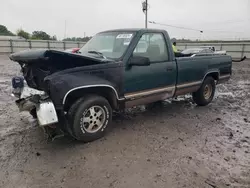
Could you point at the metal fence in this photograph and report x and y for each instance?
(10, 46)
(236, 49)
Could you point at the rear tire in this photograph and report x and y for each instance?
(90, 118)
(205, 94)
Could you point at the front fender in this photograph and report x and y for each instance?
(61, 86)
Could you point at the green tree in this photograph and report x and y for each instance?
(22, 33)
(54, 37)
(40, 35)
(80, 39)
(5, 32)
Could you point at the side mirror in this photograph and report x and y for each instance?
(139, 61)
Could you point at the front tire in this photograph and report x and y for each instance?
(205, 94)
(90, 118)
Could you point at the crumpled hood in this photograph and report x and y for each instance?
(37, 64)
(30, 56)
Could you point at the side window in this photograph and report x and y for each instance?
(153, 46)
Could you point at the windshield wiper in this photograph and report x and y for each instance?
(95, 52)
(98, 53)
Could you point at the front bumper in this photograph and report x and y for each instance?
(30, 99)
(46, 113)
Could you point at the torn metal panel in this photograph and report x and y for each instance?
(46, 113)
(28, 92)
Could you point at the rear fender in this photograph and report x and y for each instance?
(215, 74)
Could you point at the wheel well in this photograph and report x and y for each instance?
(214, 75)
(105, 92)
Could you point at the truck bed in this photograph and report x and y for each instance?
(197, 67)
(192, 71)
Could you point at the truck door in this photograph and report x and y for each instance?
(155, 81)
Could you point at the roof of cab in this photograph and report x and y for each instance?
(133, 30)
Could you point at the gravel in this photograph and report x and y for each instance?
(167, 145)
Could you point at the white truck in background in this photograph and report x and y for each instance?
(222, 52)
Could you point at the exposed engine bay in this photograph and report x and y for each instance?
(37, 64)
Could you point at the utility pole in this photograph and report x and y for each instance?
(65, 27)
(145, 10)
(146, 15)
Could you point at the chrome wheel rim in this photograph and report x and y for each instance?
(207, 91)
(93, 119)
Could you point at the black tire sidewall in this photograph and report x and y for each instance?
(199, 97)
(209, 81)
(79, 132)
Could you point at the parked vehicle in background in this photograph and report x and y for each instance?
(214, 50)
(197, 51)
(117, 69)
(208, 47)
(222, 52)
(72, 50)
(201, 51)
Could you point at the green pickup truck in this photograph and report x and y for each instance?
(75, 94)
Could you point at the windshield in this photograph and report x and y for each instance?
(108, 44)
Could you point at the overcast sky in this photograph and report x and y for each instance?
(220, 19)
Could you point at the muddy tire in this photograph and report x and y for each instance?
(90, 118)
(205, 94)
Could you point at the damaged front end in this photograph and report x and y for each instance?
(47, 77)
(36, 102)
